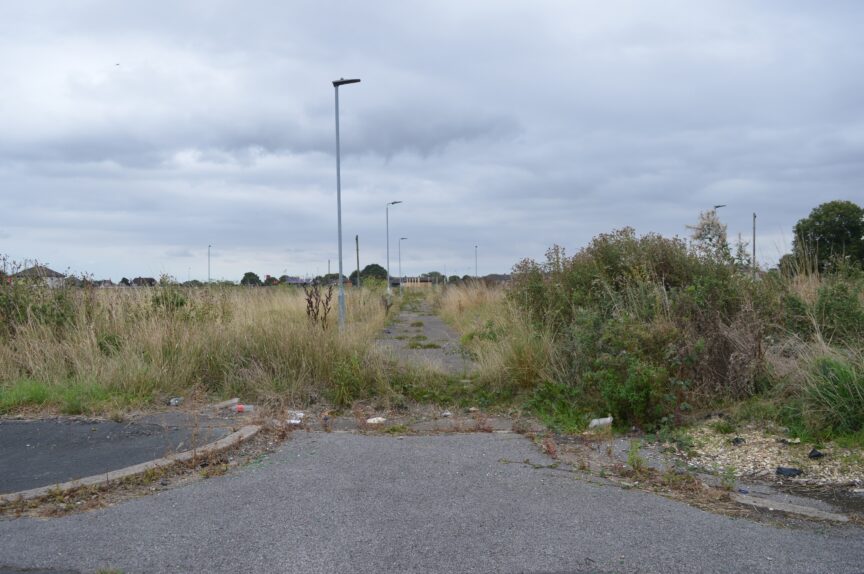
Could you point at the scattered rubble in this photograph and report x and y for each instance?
(763, 451)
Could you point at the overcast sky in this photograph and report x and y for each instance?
(134, 134)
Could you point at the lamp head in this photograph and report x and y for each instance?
(343, 81)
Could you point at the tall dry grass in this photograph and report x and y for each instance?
(128, 347)
(512, 356)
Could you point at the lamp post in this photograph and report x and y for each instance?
(387, 217)
(208, 263)
(336, 84)
(401, 239)
(476, 275)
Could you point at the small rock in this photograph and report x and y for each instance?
(296, 415)
(446, 414)
(473, 410)
(738, 441)
(175, 401)
(375, 421)
(164, 482)
(743, 491)
(788, 471)
(814, 454)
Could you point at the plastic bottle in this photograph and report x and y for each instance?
(241, 408)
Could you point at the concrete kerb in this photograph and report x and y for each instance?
(776, 505)
(106, 479)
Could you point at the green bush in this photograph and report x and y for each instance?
(645, 327)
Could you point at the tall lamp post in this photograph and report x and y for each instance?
(387, 216)
(208, 263)
(401, 239)
(336, 84)
(476, 275)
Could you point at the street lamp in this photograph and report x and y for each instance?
(387, 216)
(336, 84)
(401, 239)
(476, 275)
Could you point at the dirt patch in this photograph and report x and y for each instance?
(757, 452)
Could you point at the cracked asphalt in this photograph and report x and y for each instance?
(345, 502)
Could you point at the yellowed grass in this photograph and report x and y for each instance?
(508, 350)
(252, 342)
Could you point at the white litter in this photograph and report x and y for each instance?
(596, 423)
(446, 414)
(375, 420)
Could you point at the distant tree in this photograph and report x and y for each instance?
(328, 279)
(453, 279)
(193, 283)
(741, 258)
(250, 278)
(709, 237)
(373, 271)
(270, 281)
(833, 230)
(125, 282)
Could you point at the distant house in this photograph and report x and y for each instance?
(39, 272)
(103, 283)
(289, 280)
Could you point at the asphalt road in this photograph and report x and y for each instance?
(45, 452)
(450, 503)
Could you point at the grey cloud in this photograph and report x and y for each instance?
(504, 125)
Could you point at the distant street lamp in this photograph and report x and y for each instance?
(387, 216)
(208, 263)
(476, 275)
(401, 239)
(336, 84)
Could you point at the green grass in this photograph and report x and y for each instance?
(723, 427)
(74, 398)
(558, 407)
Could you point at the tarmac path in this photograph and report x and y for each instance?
(418, 335)
(43, 452)
(346, 502)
